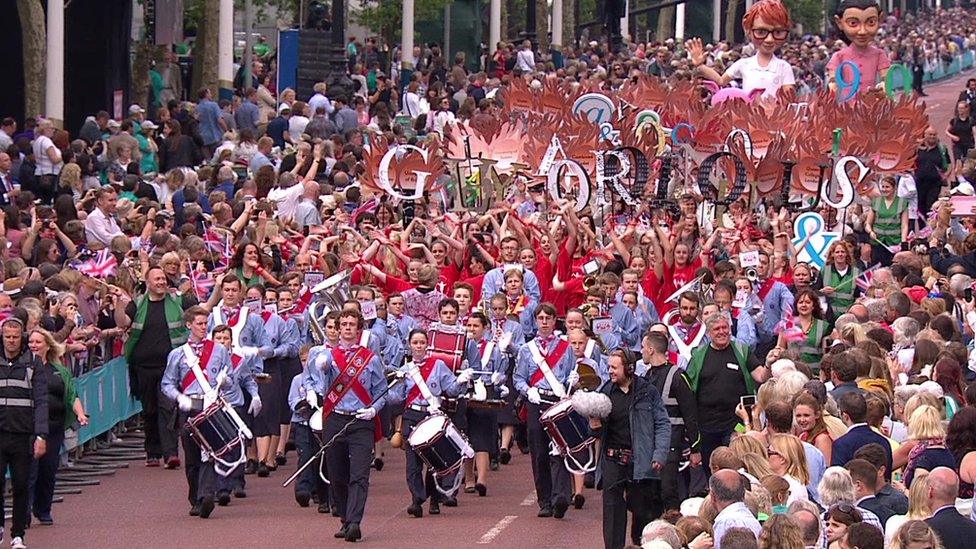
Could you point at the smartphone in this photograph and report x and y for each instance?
(968, 294)
(748, 403)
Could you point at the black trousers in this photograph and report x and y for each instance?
(43, 472)
(549, 471)
(349, 459)
(421, 483)
(306, 443)
(268, 423)
(617, 490)
(201, 480)
(710, 440)
(16, 452)
(928, 189)
(289, 367)
(235, 480)
(158, 414)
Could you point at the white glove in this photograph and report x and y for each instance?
(366, 413)
(465, 375)
(248, 352)
(502, 391)
(533, 395)
(184, 402)
(322, 361)
(313, 399)
(223, 380)
(265, 353)
(573, 378)
(496, 378)
(434, 405)
(255, 407)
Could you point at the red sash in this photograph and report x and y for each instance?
(208, 347)
(266, 316)
(552, 359)
(303, 302)
(764, 289)
(236, 361)
(349, 369)
(425, 369)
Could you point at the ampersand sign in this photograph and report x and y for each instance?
(809, 229)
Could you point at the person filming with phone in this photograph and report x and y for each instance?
(720, 372)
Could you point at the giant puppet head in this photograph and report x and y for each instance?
(767, 24)
(858, 21)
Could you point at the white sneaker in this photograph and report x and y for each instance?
(17, 543)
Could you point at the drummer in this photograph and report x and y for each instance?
(481, 355)
(426, 380)
(356, 397)
(585, 352)
(508, 337)
(179, 384)
(310, 484)
(240, 379)
(534, 380)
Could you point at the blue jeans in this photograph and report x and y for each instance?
(42, 474)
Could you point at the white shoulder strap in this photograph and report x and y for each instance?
(194, 363)
(547, 372)
(590, 345)
(486, 356)
(414, 372)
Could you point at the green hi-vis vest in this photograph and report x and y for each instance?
(173, 306)
(887, 222)
(810, 348)
(843, 286)
(698, 360)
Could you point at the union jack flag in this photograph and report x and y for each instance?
(864, 281)
(789, 328)
(102, 265)
(203, 284)
(217, 244)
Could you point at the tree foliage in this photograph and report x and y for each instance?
(383, 17)
(808, 13)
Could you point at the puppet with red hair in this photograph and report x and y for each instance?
(767, 24)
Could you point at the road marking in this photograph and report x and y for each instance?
(529, 499)
(496, 529)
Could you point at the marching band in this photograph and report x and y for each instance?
(452, 396)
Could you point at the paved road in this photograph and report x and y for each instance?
(140, 506)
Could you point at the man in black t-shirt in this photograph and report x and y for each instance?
(721, 372)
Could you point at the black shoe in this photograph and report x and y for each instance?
(378, 464)
(342, 531)
(335, 512)
(481, 489)
(45, 520)
(263, 470)
(504, 456)
(353, 533)
(545, 512)
(289, 446)
(559, 508)
(240, 493)
(435, 508)
(450, 502)
(280, 459)
(589, 481)
(578, 501)
(272, 467)
(493, 465)
(324, 508)
(302, 498)
(223, 498)
(469, 489)
(206, 507)
(195, 510)
(416, 510)
(251, 467)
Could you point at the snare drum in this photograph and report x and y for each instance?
(447, 346)
(215, 430)
(440, 444)
(569, 430)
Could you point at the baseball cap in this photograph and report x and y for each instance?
(148, 125)
(283, 107)
(136, 109)
(112, 123)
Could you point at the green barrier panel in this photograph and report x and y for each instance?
(967, 60)
(105, 394)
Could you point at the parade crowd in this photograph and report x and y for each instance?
(755, 400)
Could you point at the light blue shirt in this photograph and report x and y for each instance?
(322, 371)
(404, 324)
(816, 465)
(525, 367)
(472, 358)
(735, 515)
(494, 281)
(441, 382)
(209, 113)
(777, 302)
(177, 370)
(255, 334)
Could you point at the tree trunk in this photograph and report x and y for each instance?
(665, 23)
(507, 22)
(569, 23)
(34, 42)
(205, 49)
(542, 24)
(731, 20)
(139, 88)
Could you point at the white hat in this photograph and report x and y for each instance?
(964, 188)
(148, 125)
(112, 123)
(283, 107)
(136, 109)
